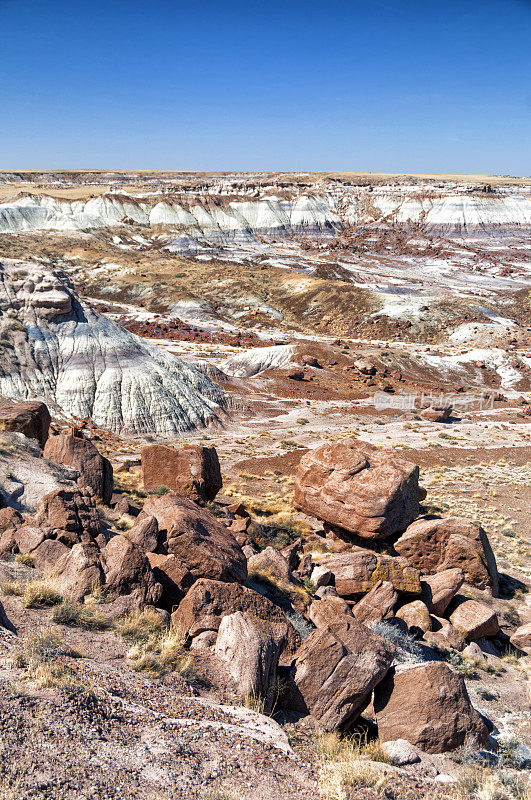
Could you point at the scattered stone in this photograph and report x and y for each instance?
(401, 752)
(474, 620)
(321, 576)
(416, 616)
(378, 604)
(326, 610)
(174, 577)
(29, 417)
(358, 571)
(251, 652)
(443, 635)
(436, 413)
(127, 570)
(78, 572)
(438, 590)
(270, 562)
(144, 534)
(337, 668)
(521, 638)
(197, 538)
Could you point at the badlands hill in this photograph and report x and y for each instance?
(56, 348)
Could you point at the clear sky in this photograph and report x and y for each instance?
(383, 85)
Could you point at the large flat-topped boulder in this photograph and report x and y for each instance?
(357, 488)
(191, 469)
(87, 366)
(434, 545)
(197, 538)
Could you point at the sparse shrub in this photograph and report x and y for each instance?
(42, 657)
(300, 623)
(141, 626)
(486, 694)
(160, 490)
(13, 588)
(512, 617)
(407, 649)
(296, 594)
(78, 614)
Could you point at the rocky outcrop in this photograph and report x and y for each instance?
(358, 489)
(197, 538)
(250, 651)
(69, 516)
(446, 209)
(358, 571)
(192, 469)
(29, 417)
(86, 366)
(434, 545)
(336, 669)
(428, 706)
(95, 471)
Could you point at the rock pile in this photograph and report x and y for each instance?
(410, 580)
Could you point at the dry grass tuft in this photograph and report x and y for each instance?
(42, 657)
(156, 649)
(344, 765)
(298, 595)
(79, 615)
(26, 559)
(41, 593)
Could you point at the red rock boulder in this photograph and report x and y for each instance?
(357, 488)
(359, 571)
(95, 471)
(191, 469)
(434, 545)
(29, 417)
(428, 706)
(336, 669)
(194, 535)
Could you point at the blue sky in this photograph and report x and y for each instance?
(384, 85)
